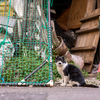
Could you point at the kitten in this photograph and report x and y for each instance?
(71, 73)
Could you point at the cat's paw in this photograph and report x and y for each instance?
(69, 84)
(63, 84)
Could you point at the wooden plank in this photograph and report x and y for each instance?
(84, 54)
(63, 27)
(64, 17)
(89, 55)
(76, 13)
(94, 23)
(86, 25)
(87, 67)
(90, 26)
(91, 17)
(90, 7)
(81, 40)
(94, 39)
(96, 11)
(90, 39)
(87, 30)
(83, 48)
(83, 37)
(87, 62)
(98, 3)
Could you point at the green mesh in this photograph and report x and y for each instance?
(25, 46)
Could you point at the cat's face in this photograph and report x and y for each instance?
(60, 61)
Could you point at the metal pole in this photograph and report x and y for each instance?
(50, 41)
(34, 71)
(49, 13)
(24, 84)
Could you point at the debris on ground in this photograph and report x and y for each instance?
(95, 68)
(92, 79)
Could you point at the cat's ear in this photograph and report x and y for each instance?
(63, 57)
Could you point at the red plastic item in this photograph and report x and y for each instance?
(99, 67)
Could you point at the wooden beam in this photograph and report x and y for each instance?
(88, 18)
(98, 3)
(64, 27)
(88, 62)
(76, 13)
(87, 30)
(90, 6)
(83, 48)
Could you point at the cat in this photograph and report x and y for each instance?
(70, 73)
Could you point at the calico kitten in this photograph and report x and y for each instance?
(71, 73)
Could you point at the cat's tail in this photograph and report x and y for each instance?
(90, 85)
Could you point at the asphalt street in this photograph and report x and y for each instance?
(49, 93)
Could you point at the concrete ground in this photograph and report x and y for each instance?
(49, 93)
